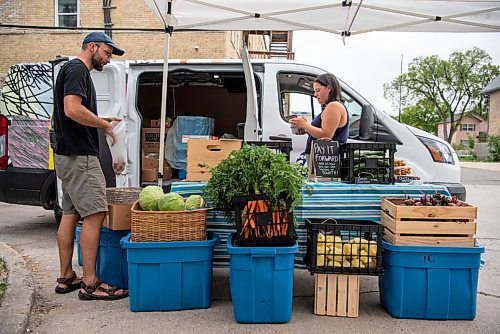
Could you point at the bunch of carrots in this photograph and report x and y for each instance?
(276, 227)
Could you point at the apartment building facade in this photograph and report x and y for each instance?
(39, 31)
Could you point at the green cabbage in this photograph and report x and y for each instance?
(172, 202)
(194, 202)
(149, 196)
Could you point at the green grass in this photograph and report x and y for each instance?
(3, 278)
(476, 159)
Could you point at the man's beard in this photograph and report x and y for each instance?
(96, 63)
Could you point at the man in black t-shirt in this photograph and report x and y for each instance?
(76, 158)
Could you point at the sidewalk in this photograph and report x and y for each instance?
(18, 299)
(493, 166)
(63, 313)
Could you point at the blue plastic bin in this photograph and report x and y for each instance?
(430, 282)
(111, 262)
(78, 249)
(261, 282)
(167, 276)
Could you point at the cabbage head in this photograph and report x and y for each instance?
(194, 202)
(149, 197)
(172, 202)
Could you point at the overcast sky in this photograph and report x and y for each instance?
(367, 61)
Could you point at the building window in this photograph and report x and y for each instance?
(467, 127)
(67, 13)
(466, 143)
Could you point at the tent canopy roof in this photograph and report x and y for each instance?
(339, 17)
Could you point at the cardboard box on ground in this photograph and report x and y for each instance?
(118, 217)
(205, 154)
(151, 149)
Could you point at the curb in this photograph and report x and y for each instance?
(18, 299)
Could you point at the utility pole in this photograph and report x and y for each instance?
(401, 73)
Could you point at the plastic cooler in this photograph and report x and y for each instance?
(111, 262)
(261, 282)
(166, 276)
(430, 282)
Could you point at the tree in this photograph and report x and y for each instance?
(447, 89)
(421, 116)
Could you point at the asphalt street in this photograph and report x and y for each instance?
(31, 231)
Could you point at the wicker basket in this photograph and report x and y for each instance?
(168, 225)
(122, 195)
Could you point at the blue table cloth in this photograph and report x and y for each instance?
(320, 200)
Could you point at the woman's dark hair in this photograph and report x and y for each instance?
(329, 80)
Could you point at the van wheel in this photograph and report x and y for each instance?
(58, 214)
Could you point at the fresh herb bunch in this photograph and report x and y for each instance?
(254, 170)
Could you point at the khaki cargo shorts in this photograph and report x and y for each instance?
(83, 184)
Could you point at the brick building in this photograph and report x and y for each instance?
(492, 90)
(23, 45)
(469, 128)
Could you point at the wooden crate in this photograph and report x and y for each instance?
(428, 225)
(336, 295)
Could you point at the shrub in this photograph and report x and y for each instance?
(494, 143)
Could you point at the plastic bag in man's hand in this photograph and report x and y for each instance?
(118, 148)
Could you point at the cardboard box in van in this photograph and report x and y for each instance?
(151, 139)
(150, 167)
(205, 154)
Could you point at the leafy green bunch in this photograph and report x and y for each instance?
(254, 170)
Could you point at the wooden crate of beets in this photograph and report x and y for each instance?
(341, 246)
(367, 163)
(259, 223)
(439, 221)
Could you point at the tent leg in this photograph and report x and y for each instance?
(164, 92)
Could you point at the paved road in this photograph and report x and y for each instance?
(31, 231)
(480, 176)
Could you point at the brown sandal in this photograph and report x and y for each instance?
(90, 289)
(68, 281)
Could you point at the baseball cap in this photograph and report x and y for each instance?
(98, 36)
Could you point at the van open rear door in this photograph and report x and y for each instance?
(253, 128)
(111, 93)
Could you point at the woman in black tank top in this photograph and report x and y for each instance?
(332, 123)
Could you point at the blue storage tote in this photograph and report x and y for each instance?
(78, 249)
(111, 262)
(167, 276)
(430, 282)
(261, 282)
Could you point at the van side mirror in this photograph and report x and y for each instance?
(366, 122)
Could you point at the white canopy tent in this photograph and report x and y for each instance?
(345, 18)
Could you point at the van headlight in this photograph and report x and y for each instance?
(439, 151)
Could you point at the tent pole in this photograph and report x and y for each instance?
(164, 92)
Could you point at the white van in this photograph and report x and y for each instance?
(219, 89)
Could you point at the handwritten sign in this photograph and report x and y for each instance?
(326, 158)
